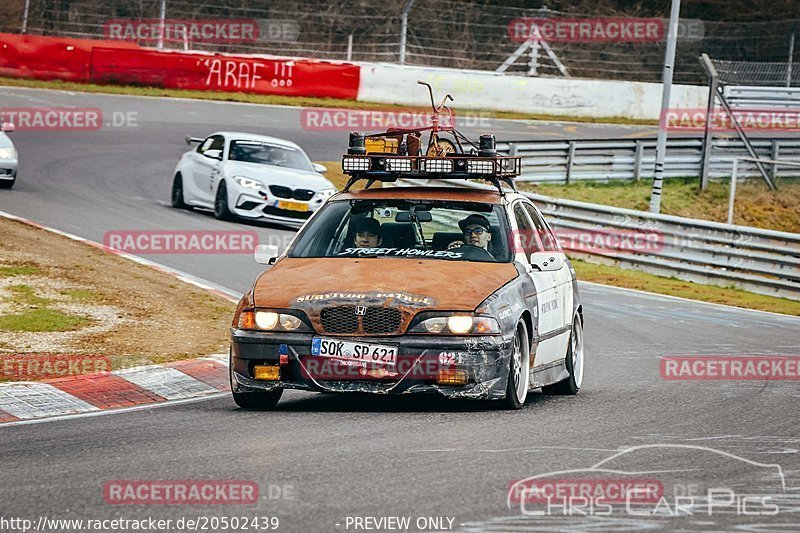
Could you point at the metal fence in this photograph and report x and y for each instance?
(634, 159)
(445, 33)
(754, 259)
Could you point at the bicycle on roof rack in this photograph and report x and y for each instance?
(397, 153)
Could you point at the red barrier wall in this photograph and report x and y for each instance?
(47, 58)
(112, 62)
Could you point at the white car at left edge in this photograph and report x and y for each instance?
(9, 159)
(252, 177)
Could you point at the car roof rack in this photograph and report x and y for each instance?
(389, 168)
(397, 153)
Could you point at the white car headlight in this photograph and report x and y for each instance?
(8, 153)
(249, 183)
(327, 193)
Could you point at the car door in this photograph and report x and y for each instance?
(527, 241)
(206, 165)
(562, 276)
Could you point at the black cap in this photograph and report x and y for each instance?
(474, 220)
(369, 225)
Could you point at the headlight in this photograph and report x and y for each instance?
(266, 320)
(8, 153)
(249, 183)
(327, 193)
(458, 325)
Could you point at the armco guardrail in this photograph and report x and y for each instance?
(756, 97)
(754, 259)
(632, 159)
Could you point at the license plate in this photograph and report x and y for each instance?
(292, 206)
(354, 351)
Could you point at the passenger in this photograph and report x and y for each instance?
(476, 232)
(366, 233)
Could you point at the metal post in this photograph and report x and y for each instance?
(732, 195)
(570, 162)
(708, 137)
(350, 47)
(637, 162)
(791, 58)
(776, 155)
(404, 30)
(533, 64)
(162, 16)
(661, 144)
(25, 17)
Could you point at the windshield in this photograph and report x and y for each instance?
(418, 229)
(264, 153)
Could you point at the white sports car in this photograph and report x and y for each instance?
(8, 158)
(250, 176)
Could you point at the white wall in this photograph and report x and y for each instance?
(395, 84)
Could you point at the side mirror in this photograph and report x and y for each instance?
(266, 254)
(7, 127)
(547, 261)
(213, 154)
(319, 168)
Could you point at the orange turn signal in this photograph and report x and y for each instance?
(452, 377)
(247, 320)
(267, 372)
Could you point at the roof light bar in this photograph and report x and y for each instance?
(398, 164)
(436, 166)
(480, 167)
(350, 164)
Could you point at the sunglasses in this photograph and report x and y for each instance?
(476, 231)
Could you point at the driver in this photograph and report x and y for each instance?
(277, 157)
(366, 233)
(476, 233)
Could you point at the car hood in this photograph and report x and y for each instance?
(273, 175)
(428, 284)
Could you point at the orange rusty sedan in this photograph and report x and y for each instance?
(460, 292)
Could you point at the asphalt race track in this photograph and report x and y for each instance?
(322, 460)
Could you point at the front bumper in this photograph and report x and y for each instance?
(419, 357)
(8, 169)
(254, 206)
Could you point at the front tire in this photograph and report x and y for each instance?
(260, 400)
(519, 368)
(177, 192)
(7, 184)
(574, 363)
(221, 210)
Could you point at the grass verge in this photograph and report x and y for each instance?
(299, 101)
(77, 301)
